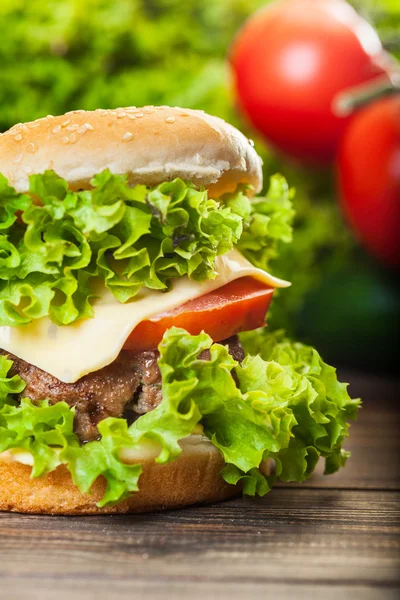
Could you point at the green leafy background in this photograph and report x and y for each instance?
(57, 55)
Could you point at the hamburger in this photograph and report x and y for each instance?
(136, 370)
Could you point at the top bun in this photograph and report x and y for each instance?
(149, 144)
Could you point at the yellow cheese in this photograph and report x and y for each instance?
(72, 351)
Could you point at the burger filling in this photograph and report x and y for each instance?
(57, 246)
(263, 397)
(128, 387)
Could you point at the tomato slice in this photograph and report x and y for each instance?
(240, 305)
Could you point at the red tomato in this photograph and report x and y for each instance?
(291, 60)
(369, 177)
(238, 306)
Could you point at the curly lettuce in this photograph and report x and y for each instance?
(267, 221)
(54, 242)
(282, 403)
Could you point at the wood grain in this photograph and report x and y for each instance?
(329, 538)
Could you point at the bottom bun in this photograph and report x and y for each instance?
(194, 477)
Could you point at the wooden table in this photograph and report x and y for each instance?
(333, 537)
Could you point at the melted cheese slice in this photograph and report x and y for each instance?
(72, 351)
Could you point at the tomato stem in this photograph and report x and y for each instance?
(348, 100)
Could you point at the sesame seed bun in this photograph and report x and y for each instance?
(149, 144)
(193, 477)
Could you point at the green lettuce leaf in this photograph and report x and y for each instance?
(321, 404)
(283, 402)
(129, 237)
(267, 222)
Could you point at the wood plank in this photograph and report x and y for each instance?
(189, 590)
(298, 542)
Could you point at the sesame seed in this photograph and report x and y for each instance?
(72, 127)
(18, 137)
(33, 125)
(131, 117)
(64, 140)
(72, 138)
(121, 114)
(31, 148)
(49, 117)
(18, 158)
(170, 120)
(127, 136)
(89, 127)
(251, 143)
(65, 123)
(139, 115)
(56, 129)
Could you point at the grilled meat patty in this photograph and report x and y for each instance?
(132, 382)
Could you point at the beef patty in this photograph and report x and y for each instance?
(132, 382)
